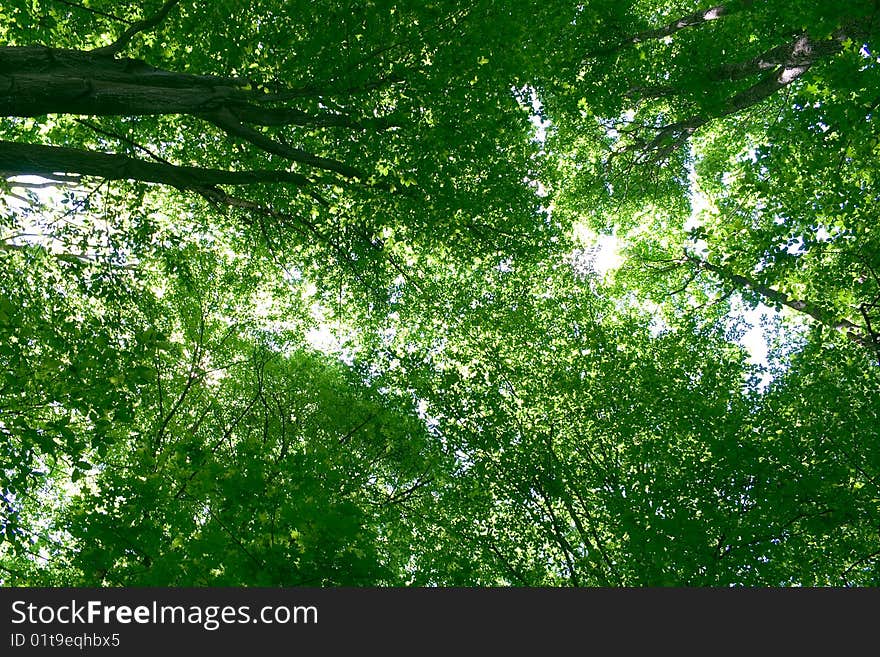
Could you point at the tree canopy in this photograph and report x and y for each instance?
(434, 293)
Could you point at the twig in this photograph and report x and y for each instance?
(123, 139)
(141, 26)
(97, 12)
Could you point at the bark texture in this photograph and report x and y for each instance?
(36, 81)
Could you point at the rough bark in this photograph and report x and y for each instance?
(35, 81)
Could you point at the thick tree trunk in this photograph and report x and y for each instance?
(36, 81)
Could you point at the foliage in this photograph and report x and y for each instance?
(409, 293)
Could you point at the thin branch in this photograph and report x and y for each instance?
(865, 559)
(590, 537)
(226, 121)
(360, 426)
(851, 331)
(519, 577)
(96, 12)
(125, 140)
(141, 26)
(260, 564)
(686, 284)
(193, 376)
(305, 226)
(568, 551)
(404, 495)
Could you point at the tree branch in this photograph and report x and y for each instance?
(850, 330)
(141, 26)
(780, 67)
(347, 436)
(694, 19)
(124, 140)
(96, 12)
(226, 121)
(36, 159)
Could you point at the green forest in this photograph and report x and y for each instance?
(436, 293)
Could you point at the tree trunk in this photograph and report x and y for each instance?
(36, 81)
